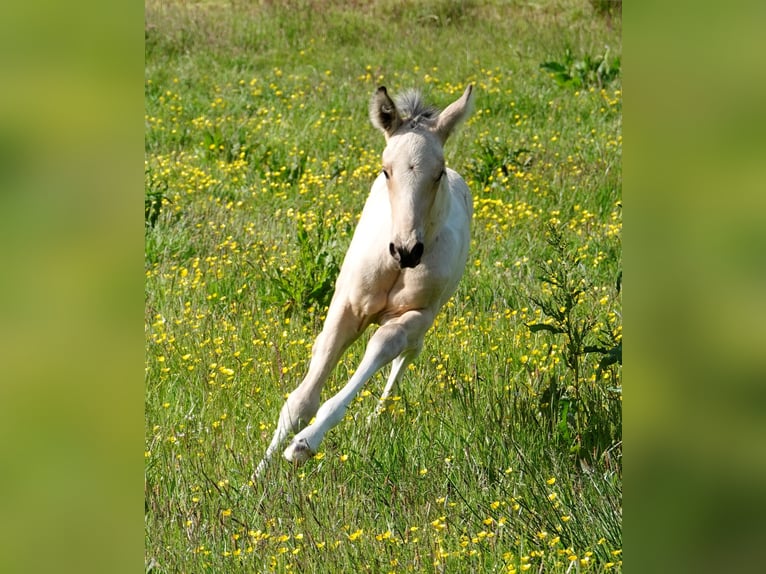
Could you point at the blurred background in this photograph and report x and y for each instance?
(71, 152)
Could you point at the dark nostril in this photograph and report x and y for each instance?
(417, 251)
(405, 257)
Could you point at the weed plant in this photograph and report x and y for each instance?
(503, 450)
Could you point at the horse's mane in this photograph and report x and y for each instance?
(414, 110)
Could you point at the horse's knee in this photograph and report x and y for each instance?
(298, 410)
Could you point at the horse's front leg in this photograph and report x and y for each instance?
(339, 331)
(401, 336)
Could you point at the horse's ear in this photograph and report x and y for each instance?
(456, 112)
(383, 112)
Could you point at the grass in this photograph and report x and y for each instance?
(503, 451)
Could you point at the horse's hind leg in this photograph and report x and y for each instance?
(397, 368)
(402, 336)
(339, 331)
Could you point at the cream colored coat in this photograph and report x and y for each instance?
(405, 260)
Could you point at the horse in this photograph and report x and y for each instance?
(404, 262)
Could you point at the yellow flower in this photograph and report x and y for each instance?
(439, 523)
(355, 535)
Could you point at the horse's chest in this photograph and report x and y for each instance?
(418, 288)
(389, 294)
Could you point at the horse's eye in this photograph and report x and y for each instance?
(385, 173)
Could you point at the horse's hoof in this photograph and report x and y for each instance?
(298, 451)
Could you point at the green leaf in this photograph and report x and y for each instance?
(553, 67)
(535, 327)
(613, 356)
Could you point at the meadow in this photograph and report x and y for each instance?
(502, 451)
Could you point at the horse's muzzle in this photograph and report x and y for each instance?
(406, 257)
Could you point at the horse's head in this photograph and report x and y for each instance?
(413, 165)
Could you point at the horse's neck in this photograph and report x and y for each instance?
(439, 210)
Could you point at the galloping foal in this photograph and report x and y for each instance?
(404, 262)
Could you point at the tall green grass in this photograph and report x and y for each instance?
(503, 450)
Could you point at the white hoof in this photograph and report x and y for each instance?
(298, 451)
